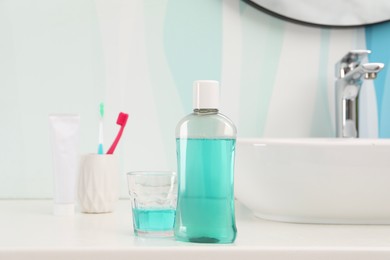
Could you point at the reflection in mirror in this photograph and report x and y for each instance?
(329, 12)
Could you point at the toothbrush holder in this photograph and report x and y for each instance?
(98, 183)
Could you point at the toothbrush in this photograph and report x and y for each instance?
(122, 119)
(100, 147)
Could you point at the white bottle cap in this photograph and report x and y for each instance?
(206, 94)
(63, 209)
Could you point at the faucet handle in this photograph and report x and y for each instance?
(350, 61)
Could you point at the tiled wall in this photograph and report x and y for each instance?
(141, 57)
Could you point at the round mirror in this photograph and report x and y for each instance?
(328, 12)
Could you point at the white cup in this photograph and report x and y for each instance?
(98, 187)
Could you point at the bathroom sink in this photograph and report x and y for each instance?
(315, 180)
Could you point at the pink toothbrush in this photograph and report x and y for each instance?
(122, 119)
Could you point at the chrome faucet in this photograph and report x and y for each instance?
(350, 74)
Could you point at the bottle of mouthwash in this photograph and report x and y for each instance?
(205, 144)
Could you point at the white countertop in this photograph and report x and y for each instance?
(28, 230)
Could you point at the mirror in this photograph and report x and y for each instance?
(334, 13)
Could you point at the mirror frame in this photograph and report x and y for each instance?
(306, 23)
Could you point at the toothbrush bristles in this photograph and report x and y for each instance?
(101, 109)
(122, 118)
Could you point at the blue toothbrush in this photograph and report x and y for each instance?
(100, 147)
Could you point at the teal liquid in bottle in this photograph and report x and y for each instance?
(206, 201)
(205, 144)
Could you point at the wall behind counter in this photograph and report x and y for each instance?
(141, 57)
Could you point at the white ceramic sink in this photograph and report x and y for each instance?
(313, 180)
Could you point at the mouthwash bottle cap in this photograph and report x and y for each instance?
(206, 94)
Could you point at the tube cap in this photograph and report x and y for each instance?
(63, 209)
(206, 94)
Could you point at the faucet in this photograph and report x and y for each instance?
(350, 74)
